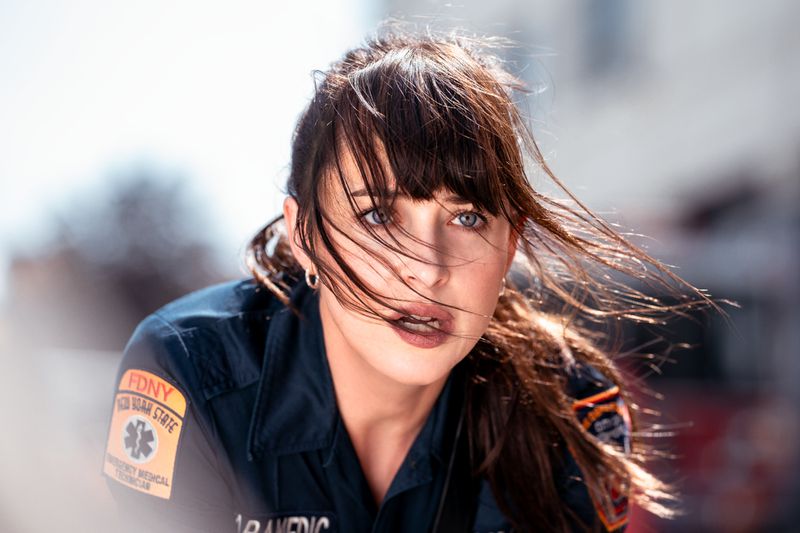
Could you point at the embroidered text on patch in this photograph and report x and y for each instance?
(144, 433)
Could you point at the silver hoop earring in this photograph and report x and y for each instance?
(312, 280)
(503, 288)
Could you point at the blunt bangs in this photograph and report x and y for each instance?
(417, 122)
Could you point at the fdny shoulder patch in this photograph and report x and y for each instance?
(606, 416)
(143, 437)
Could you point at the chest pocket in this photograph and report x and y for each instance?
(287, 522)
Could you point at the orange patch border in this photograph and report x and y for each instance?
(595, 398)
(175, 406)
(611, 526)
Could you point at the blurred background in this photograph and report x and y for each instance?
(143, 143)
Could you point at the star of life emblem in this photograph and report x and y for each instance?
(139, 439)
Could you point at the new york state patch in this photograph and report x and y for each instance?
(144, 432)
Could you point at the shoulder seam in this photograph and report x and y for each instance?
(174, 330)
(214, 433)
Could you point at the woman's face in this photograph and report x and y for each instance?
(464, 268)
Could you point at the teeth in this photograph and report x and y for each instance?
(426, 327)
(420, 317)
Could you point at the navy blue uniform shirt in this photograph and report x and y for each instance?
(225, 420)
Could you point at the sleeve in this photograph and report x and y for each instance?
(161, 460)
(600, 409)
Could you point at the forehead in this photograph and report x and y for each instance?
(360, 192)
(347, 176)
(369, 169)
(350, 177)
(384, 162)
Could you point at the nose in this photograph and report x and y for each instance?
(423, 264)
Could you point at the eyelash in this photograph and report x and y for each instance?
(482, 220)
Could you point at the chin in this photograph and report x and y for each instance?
(414, 366)
(373, 344)
(414, 375)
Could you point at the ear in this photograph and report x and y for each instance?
(513, 241)
(290, 209)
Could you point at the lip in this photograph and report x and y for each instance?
(423, 340)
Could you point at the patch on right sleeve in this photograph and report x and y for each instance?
(143, 437)
(606, 416)
(617, 515)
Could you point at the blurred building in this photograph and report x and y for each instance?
(71, 307)
(639, 103)
(678, 122)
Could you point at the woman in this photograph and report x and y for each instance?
(381, 371)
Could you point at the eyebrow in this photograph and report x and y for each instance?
(364, 192)
(453, 198)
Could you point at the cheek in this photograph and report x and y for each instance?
(481, 281)
(352, 325)
(359, 258)
(368, 268)
(478, 295)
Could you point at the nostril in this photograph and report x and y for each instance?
(429, 275)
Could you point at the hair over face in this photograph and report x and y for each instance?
(417, 118)
(421, 114)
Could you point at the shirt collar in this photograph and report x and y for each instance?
(295, 409)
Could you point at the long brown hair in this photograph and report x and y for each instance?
(437, 112)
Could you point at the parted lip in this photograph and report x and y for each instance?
(435, 312)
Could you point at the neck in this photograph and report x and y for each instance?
(382, 417)
(368, 401)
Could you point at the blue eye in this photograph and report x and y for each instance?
(376, 217)
(469, 219)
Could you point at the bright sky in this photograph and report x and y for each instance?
(211, 89)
